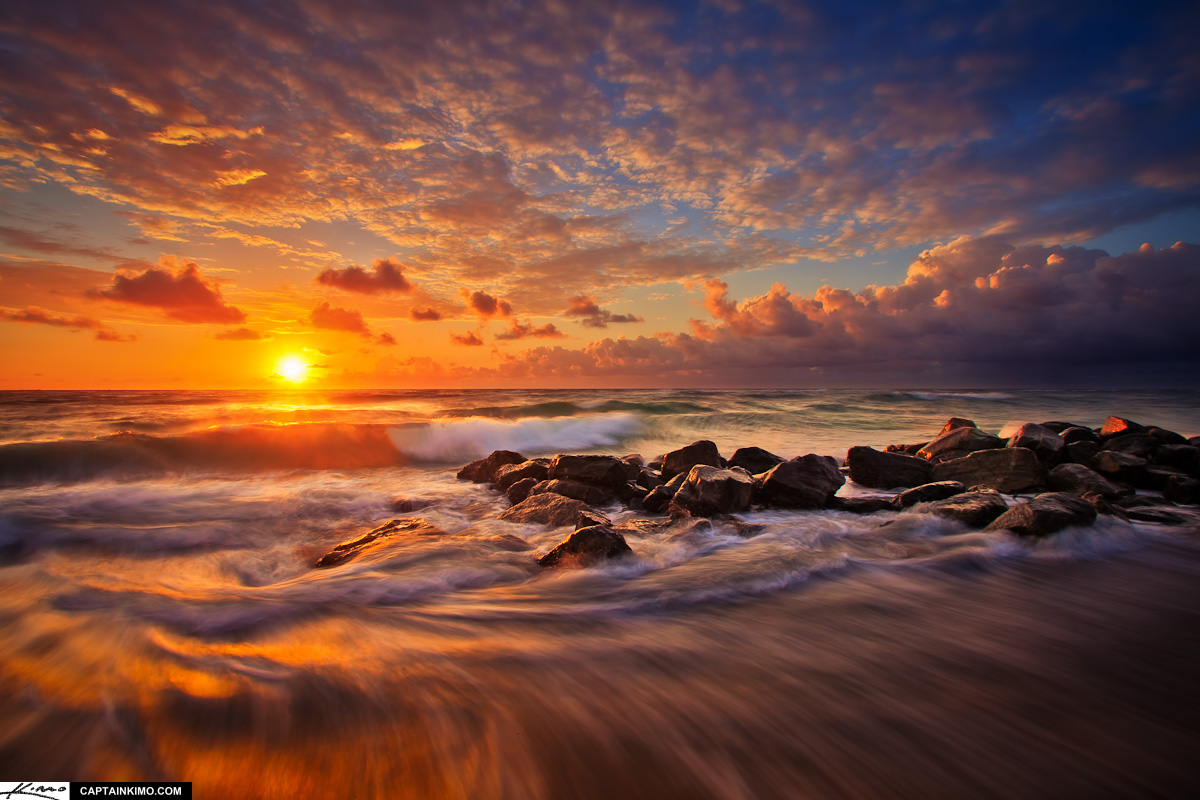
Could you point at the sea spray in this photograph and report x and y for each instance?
(453, 441)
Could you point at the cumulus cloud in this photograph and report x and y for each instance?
(468, 339)
(518, 331)
(33, 315)
(485, 305)
(386, 275)
(385, 339)
(331, 318)
(239, 335)
(424, 315)
(593, 316)
(177, 288)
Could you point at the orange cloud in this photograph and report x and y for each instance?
(32, 315)
(424, 315)
(593, 316)
(332, 318)
(184, 294)
(485, 305)
(468, 339)
(519, 331)
(386, 275)
(239, 335)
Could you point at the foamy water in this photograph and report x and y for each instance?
(160, 615)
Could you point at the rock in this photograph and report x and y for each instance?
(1059, 427)
(975, 508)
(807, 482)
(606, 471)
(509, 474)
(1182, 490)
(1078, 479)
(871, 468)
(648, 480)
(484, 470)
(1156, 478)
(681, 461)
(927, 493)
(1179, 456)
(1165, 436)
(1008, 470)
(909, 449)
(1118, 466)
(587, 546)
(1194, 441)
(956, 422)
(1045, 514)
(708, 491)
(965, 440)
(1163, 516)
(1141, 445)
(407, 505)
(862, 505)
(589, 493)
(635, 459)
(587, 518)
(1114, 426)
(754, 460)
(520, 490)
(345, 551)
(547, 509)
(1081, 452)
(1103, 506)
(1045, 443)
(1079, 434)
(1142, 501)
(657, 500)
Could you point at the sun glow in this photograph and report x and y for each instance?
(293, 368)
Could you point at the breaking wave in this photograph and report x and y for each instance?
(451, 441)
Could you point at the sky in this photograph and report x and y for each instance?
(543, 193)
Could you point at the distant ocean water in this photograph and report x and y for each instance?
(160, 616)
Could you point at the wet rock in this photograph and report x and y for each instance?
(754, 460)
(927, 493)
(1182, 490)
(1115, 426)
(1045, 514)
(1163, 516)
(547, 509)
(657, 500)
(1194, 441)
(1078, 479)
(881, 470)
(908, 449)
(1179, 456)
(975, 508)
(1045, 443)
(709, 491)
(1143, 501)
(1081, 452)
(407, 505)
(807, 482)
(1079, 434)
(1141, 445)
(587, 546)
(589, 493)
(1009, 470)
(1059, 427)
(509, 474)
(1103, 506)
(408, 526)
(484, 470)
(956, 422)
(520, 490)
(681, 461)
(648, 480)
(606, 471)
(1156, 478)
(587, 518)
(862, 505)
(961, 440)
(1165, 436)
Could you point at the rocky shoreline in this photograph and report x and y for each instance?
(1073, 474)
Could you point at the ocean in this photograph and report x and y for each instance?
(161, 619)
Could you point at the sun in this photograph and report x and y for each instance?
(293, 368)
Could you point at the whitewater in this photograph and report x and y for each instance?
(161, 619)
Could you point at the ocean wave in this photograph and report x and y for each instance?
(564, 408)
(456, 441)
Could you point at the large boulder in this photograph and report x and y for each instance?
(975, 508)
(754, 460)
(1081, 452)
(587, 546)
(509, 474)
(1165, 436)
(484, 470)
(589, 493)
(1182, 490)
(709, 491)
(607, 471)
(960, 441)
(927, 493)
(807, 482)
(1179, 456)
(869, 467)
(408, 526)
(1142, 445)
(547, 509)
(1079, 434)
(520, 490)
(1045, 514)
(659, 498)
(1119, 466)
(957, 422)
(1078, 479)
(1115, 426)
(681, 461)
(1008, 470)
(1045, 443)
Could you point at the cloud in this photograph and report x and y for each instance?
(178, 289)
(485, 305)
(331, 318)
(37, 243)
(424, 315)
(593, 316)
(239, 335)
(386, 275)
(468, 339)
(33, 315)
(519, 331)
(385, 339)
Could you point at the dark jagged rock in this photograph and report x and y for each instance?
(871, 468)
(407, 505)
(807, 482)
(1115, 426)
(862, 505)
(1045, 443)
(1008, 470)
(1156, 478)
(606, 471)
(754, 460)
(1163, 516)
(1118, 466)
(547, 509)
(1078, 479)
(1142, 501)
(975, 508)
(681, 461)
(1182, 490)
(709, 491)
(960, 441)
(648, 480)
(587, 518)
(484, 470)
(1079, 434)
(657, 500)
(411, 526)
(1045, 514)
(589, 493)
(1059, 427)
(907, 449)
(1165, 436)
(1179, 456)
(1141, 445)
(957, 422)
(1081, 452)
(587, 546)
(1103, 506)
(927, 493)
(520, 490)
(509, 474)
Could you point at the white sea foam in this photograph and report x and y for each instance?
(465, 439)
